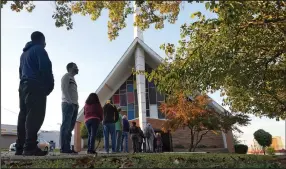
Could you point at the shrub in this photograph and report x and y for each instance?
(263, 138)
(270, 151)
(83, 131)
(179, 146)
(202, 146)
(213, 146)
(240, 149)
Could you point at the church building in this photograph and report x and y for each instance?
(140, 101)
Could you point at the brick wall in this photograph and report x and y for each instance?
(182, 136)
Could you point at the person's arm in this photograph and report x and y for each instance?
(20, 72)
(45, 68)
(100, 112)
(65, 88)
(116, 113)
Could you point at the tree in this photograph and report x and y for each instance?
(240, 52)
(263, 138)
(236, 140)
(198, 116)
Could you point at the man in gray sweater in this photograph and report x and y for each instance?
(69, 107)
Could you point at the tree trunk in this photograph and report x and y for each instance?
(192, 141)
(98, 144)
(263, 148)
(200, 139)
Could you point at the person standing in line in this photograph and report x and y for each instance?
(140, 140)
(36, 83)
(134, 134)
(93, 115)
(125, 132)
(69, 107)
(149, 135)
(118, 127)
(110, 117)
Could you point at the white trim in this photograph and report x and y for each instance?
(224, 139)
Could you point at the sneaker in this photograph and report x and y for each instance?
(36, 152)
(19, 152)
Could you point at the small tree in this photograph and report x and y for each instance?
(99, 134)
(263, 138)
(198, 116)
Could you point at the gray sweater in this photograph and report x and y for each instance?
(69, 89)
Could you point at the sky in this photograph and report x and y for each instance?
(89, 47)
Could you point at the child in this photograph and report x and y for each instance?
(159, 143)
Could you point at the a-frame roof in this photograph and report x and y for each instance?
(122, 70)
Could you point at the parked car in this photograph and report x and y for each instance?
(42, 144)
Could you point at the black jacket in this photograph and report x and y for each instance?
(134, 130)
(110, 113)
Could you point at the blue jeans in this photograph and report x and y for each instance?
(69, 115)
(124, 136)
(118, 140)
(109, 128)
(92, 126)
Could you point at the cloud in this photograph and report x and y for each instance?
(18, 27)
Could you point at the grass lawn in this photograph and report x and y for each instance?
(154, 161)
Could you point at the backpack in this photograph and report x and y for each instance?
(147, 132)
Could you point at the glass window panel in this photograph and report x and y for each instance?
(147, 104)
(131, 115)
(136, 114)
(160, 97)
(123, 100)
(137, 110)
(130, 77)
(130, 82)
(117, 92)
(134, 85)
(123, 88)
(130, 88)
(148, 113)
(160, 114)
(131, 107)
(147, 96)
(130, 97)
(151, 84)
(123, 108)
(116, 99)
(152, 96)
(136, 98)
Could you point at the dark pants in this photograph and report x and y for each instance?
(109, 128)
(118, 140)
(124, 137)
(32, 114)
(69, 115)
(92, 126)
(140, 145)
(134, 138)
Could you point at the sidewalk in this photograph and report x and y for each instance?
(55, 155)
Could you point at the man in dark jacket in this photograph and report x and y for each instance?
(110, 117)
(36, 83)
(134, 133)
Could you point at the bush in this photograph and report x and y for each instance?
(202, 146)
(179, 146)
(240, 149)
(212, 146)
(263, 138)
(270, 151)
(84, 133)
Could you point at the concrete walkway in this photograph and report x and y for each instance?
(54, 156)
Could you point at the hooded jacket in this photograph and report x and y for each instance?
(36, 66)
(110, 114)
